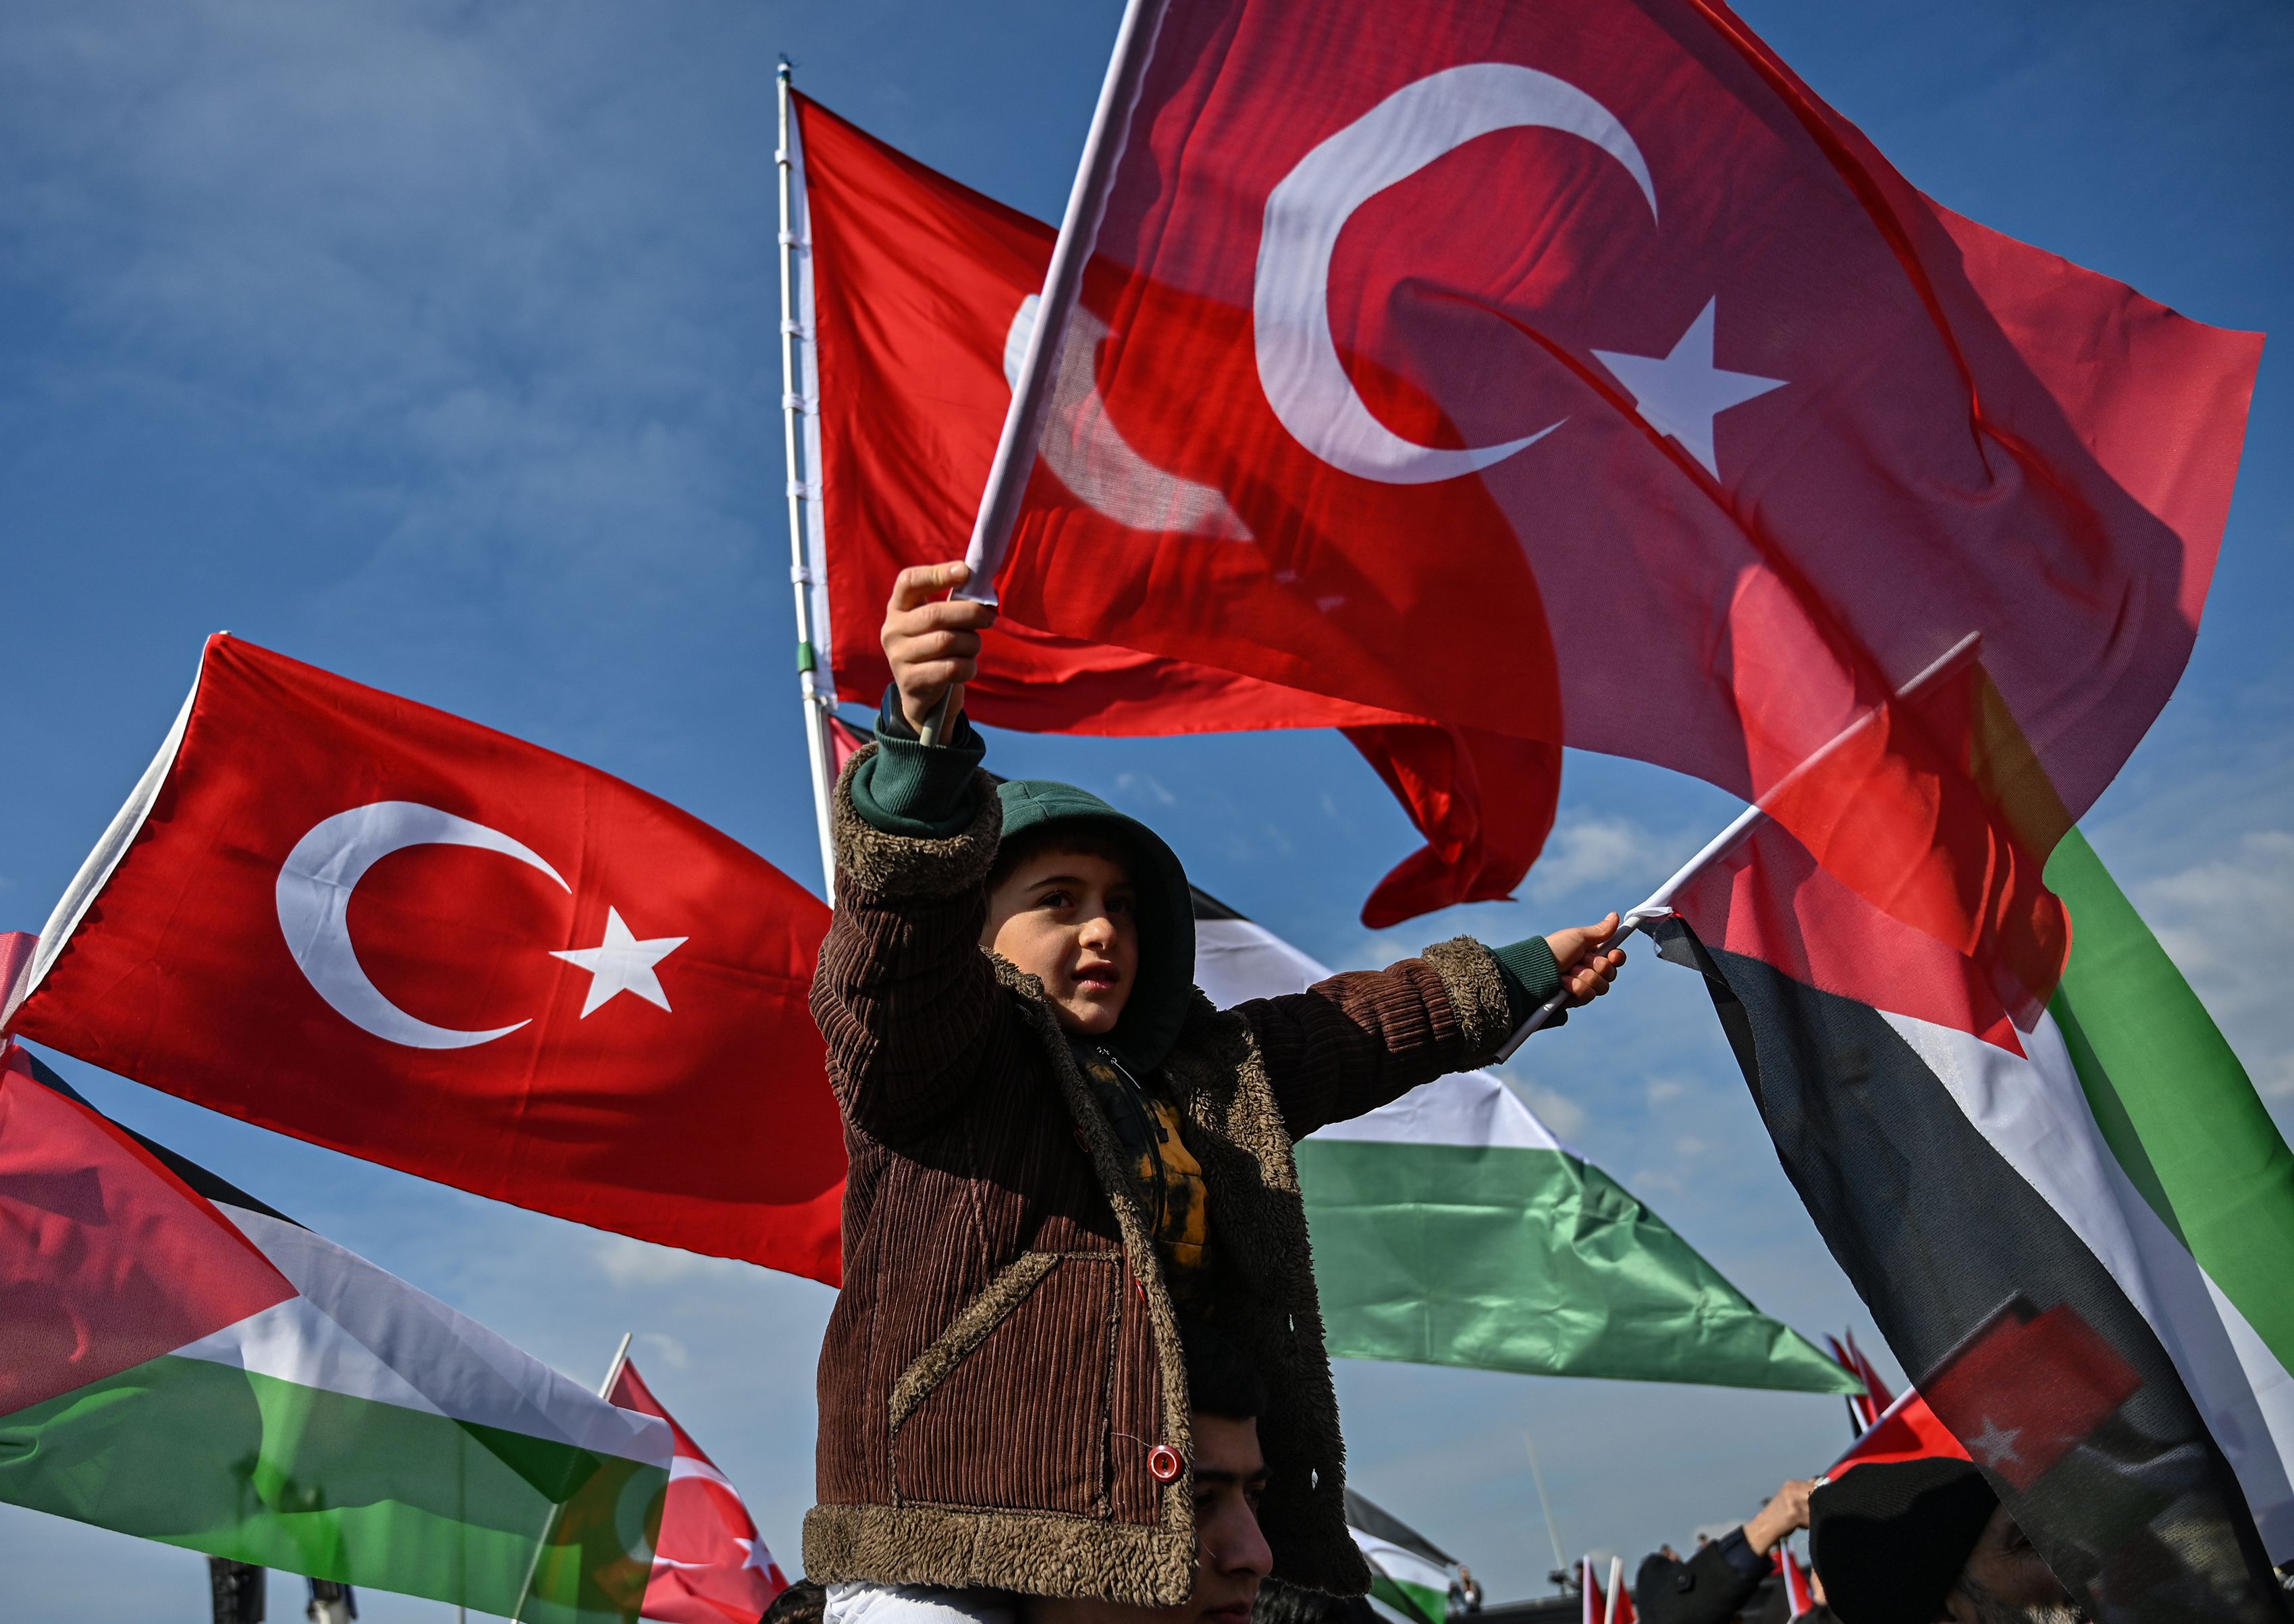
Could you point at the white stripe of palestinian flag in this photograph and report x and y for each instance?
(1451, 1228)
(2031, 1110)
(1404, 1580)
(360, 1431)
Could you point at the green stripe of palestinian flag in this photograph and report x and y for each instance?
(1451, 1228)
(2208, 1195)
(1408, 1573)
(360, 1431)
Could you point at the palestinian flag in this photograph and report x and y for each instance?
(1409, 1573)
(184, 1364)
(1450, 1228)
(2077, 1239)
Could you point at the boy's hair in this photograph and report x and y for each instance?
(1221, 1379)
(1061, 838)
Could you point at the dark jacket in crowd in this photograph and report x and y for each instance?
(1002, 1400)
(1708, 1588)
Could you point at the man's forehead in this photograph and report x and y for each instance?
(1226, 1448)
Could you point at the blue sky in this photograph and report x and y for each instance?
(435, 343)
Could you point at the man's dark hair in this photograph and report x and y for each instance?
(1221, 1379)
(1283, 1603)
(1061, 838)
(803, 1603)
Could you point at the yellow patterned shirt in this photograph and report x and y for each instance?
(1165, 1174)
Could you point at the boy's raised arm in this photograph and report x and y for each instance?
(1364, 1038)
(903, 996)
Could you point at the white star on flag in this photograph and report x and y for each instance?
(1680, 393)
(621, 963)
(758, 1557)
(1995, 1444)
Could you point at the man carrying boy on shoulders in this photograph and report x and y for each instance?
(1066, 1167)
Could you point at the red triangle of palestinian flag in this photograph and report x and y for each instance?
(107, 1259)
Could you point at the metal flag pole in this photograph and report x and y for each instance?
(1552, 1529)
(605, 1390)
(1031, 390)
(1616, 1583)
(1659, 904)
(797, 328)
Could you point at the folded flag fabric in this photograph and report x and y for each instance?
(1907, 1430)
(185, 1364)
(2076, 1238)
(709, 1564)
(1451, 1228)
(915, 295)
(344, 916)
(1431, 296)
(1798, 1595)
(1409, 1573)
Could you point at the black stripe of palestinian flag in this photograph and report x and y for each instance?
(1451, 1228)
(2019, 1254)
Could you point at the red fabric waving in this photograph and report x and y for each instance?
(919, 288)
(410, 939)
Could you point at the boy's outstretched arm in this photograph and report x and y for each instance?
(1360, 1040)
(903, 997)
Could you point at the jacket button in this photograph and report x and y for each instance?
(1164, 1464)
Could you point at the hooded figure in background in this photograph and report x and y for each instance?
(1920, 1541)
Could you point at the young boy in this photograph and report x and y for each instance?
(1061, 1154)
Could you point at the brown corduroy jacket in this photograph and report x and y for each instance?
(1002, 1357)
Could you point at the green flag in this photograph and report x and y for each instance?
(1451, 1228)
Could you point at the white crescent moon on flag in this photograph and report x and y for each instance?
(314, 898)
(1299, 364)
(1089, 454)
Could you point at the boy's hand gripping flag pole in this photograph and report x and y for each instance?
(1659, 904)
(1031, 393)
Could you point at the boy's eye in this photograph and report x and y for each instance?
(1120, 905)
(1052, 899)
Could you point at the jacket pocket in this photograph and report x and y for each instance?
(1007, 1409)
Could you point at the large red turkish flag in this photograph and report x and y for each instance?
(1579, 375)
(710, 1565)
(395, 933)
(921, 293)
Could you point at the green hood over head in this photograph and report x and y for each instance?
(1156, 1008)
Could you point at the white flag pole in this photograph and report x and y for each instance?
(1659, 904)
(532, 1568)
(797, 328)
(1552, 1529)
(1616, 1583)
(1031, 393)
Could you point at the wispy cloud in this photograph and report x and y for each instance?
(1610, 851)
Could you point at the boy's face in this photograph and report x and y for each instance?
(1068, 918)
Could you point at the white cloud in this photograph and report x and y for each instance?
(2228, 923)
(1665, 1090)
(672, 1352)
(629, 1263)
(1145, 786)
(1564, 1115)
(1615, 852)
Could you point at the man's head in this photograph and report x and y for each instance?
(1063, 906)
(1920, 1541)
(2007, 1581)
(1228, 1475)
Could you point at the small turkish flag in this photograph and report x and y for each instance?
(408, 938)
(708, 1565)
(919, 295)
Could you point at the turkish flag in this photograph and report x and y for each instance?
(383, 928)
(1578, 375)
(922, 294)
(709, 1564)
(1907, 1430)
